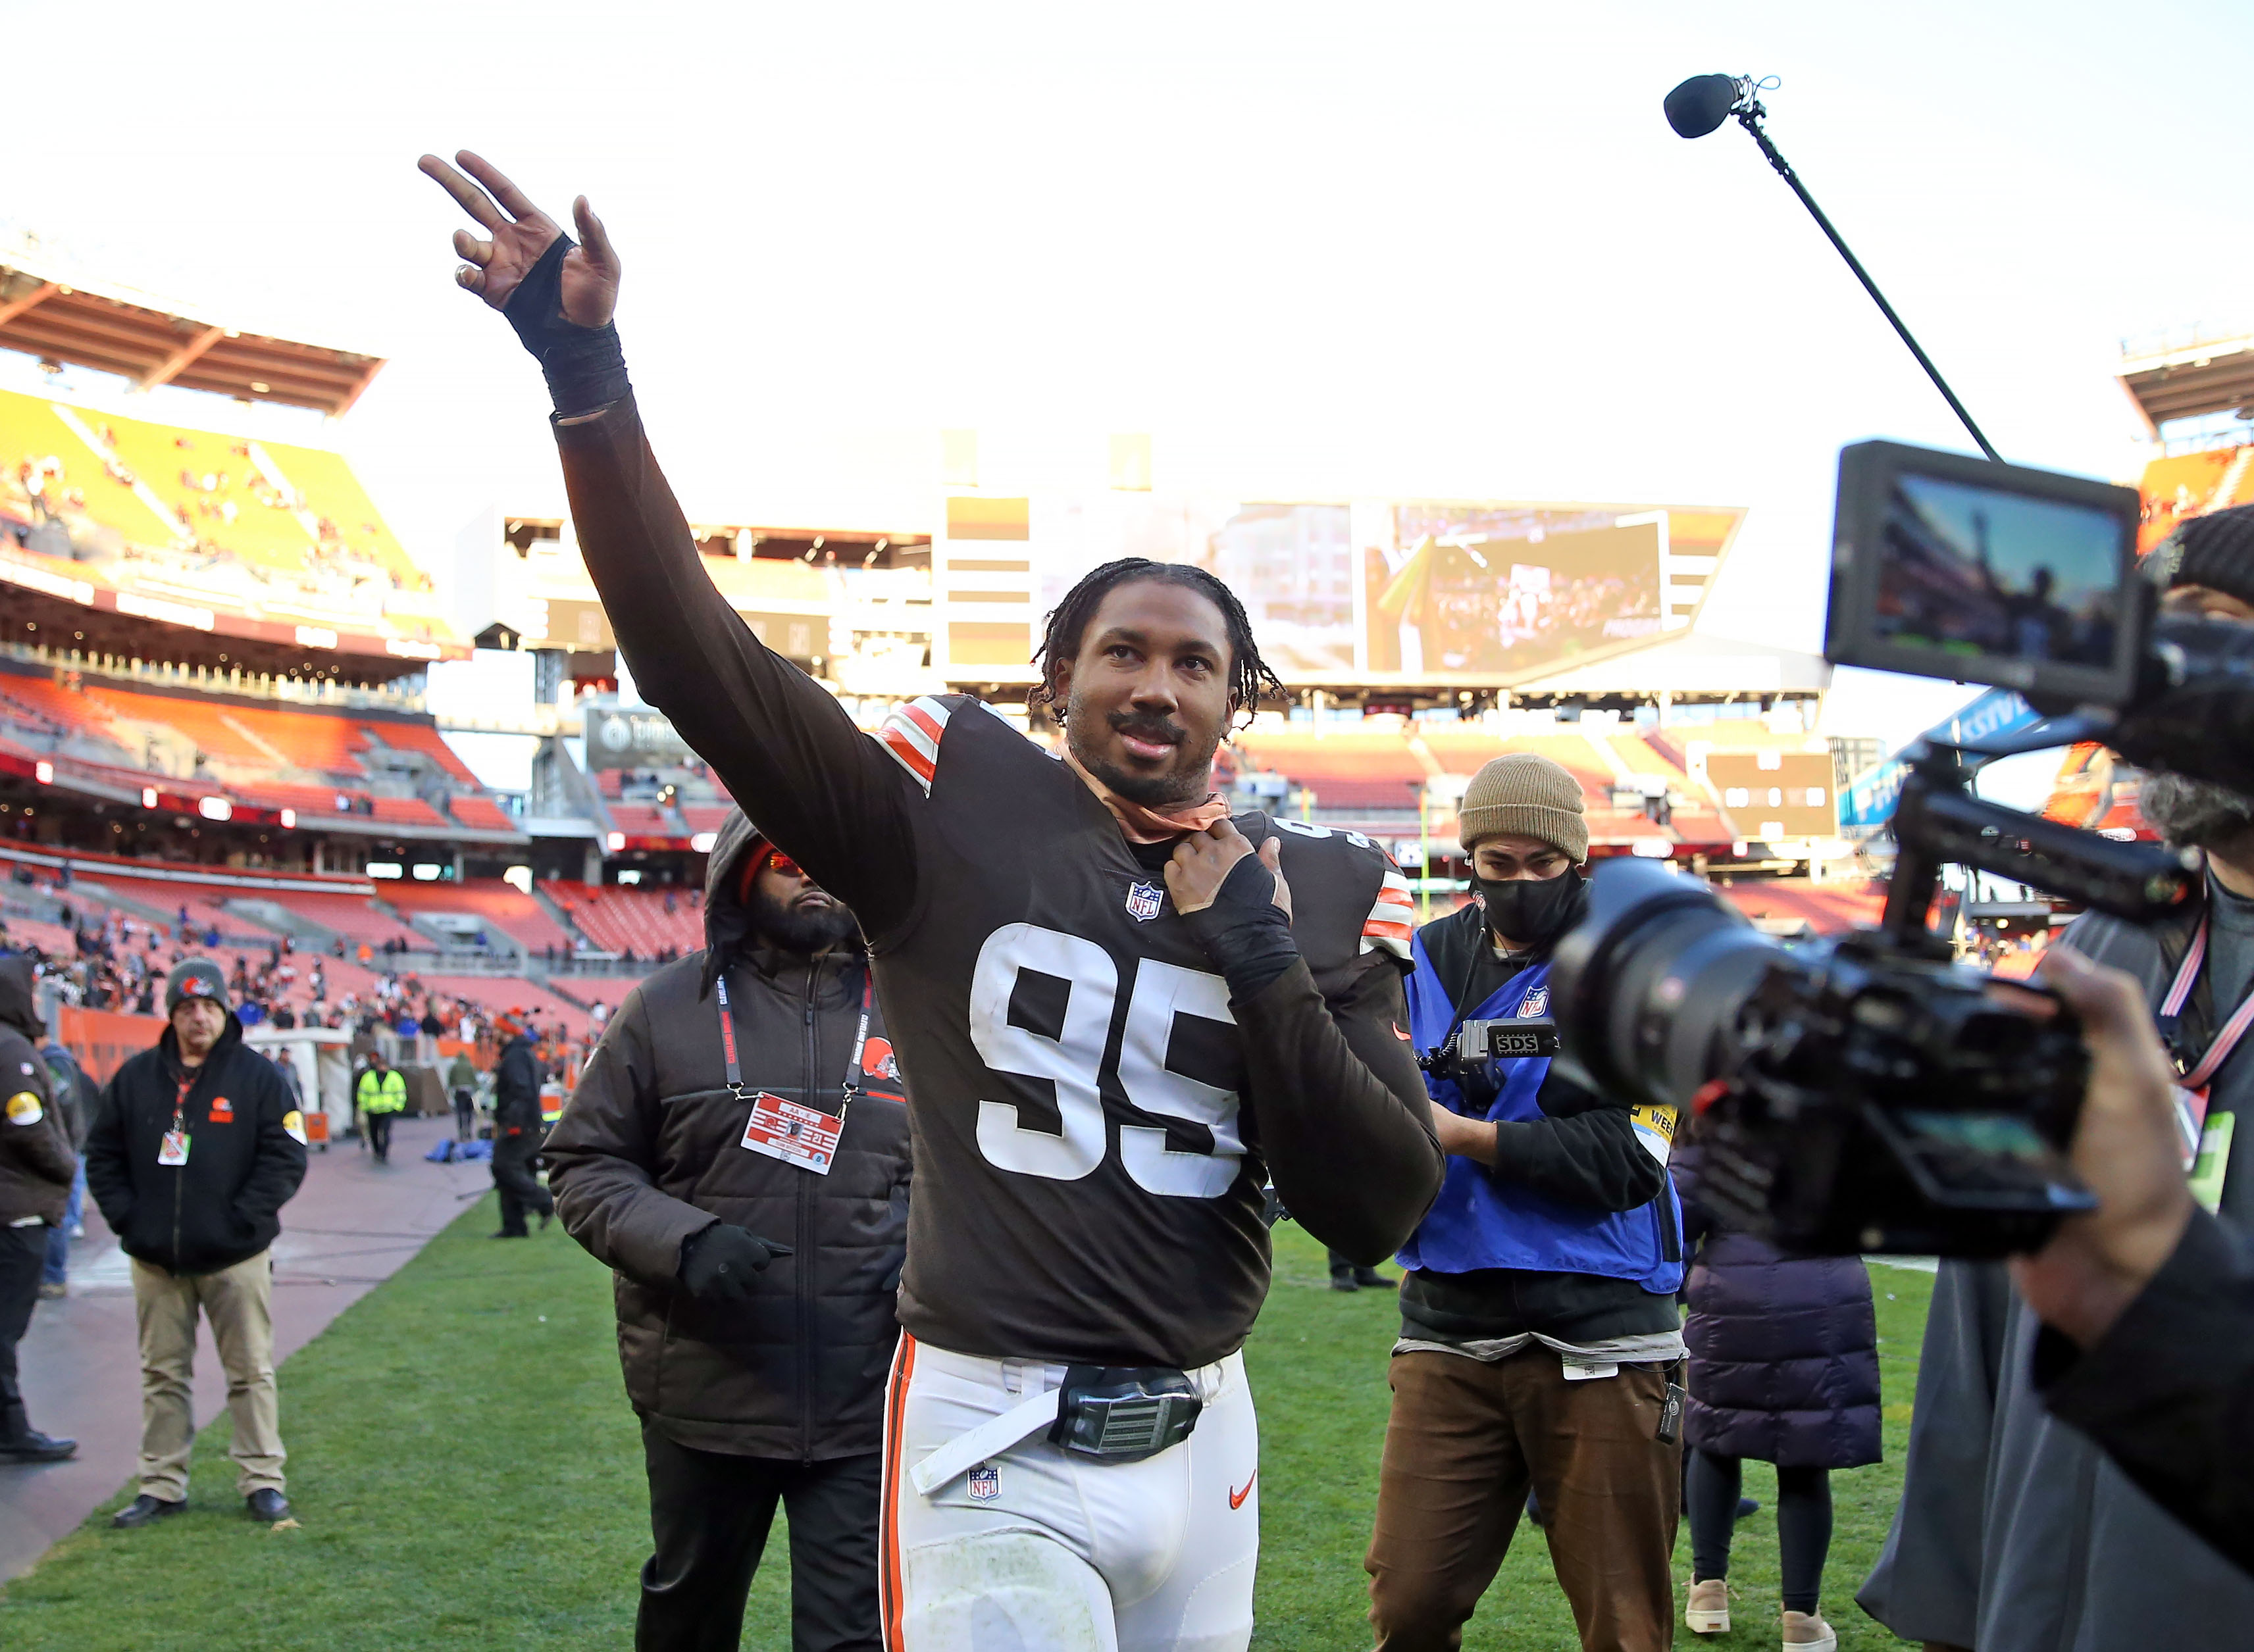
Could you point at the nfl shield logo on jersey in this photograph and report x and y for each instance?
(1144, 900)
(985, 1483)
(1537, 1002)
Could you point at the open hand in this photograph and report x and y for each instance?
(1203, 861)
(520, 232)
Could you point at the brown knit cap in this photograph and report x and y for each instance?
(1522, 791)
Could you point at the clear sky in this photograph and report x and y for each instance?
(1311, 248)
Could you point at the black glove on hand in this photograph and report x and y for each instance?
(717, 1264)
(584, 366)
(1244, 932)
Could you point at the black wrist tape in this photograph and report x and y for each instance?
(584, 366)
(1244, 932)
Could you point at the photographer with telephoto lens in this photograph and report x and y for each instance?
(1540, 1343)
(2020, 1567)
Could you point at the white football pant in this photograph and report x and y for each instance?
(1040, 1550)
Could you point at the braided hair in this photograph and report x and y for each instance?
(1250, 680)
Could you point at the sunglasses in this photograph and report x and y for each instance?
(778, 861)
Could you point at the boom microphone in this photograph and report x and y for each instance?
(1702, 104)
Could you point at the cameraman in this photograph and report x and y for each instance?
(1539, 1331)
(2061, 1548)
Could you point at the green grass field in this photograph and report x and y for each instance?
(467, 1475)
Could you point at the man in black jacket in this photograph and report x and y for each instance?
(1539, 1333)
(516, 1133)
(753, 1382)
(195, 1149)
(37, 1169)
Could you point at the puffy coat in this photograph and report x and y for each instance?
(649, 1152)
(1784, 1354)
(37, 1163)
(246, 1156)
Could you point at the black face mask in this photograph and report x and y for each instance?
(1533, 911)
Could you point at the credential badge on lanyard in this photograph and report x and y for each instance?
(794, 1132)
(173, 1149)
(2206, 1140)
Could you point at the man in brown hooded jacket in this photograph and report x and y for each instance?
(755, 1292)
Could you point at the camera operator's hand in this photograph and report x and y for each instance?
(2125, 1147)
(717, 1263)
(1461, 1137)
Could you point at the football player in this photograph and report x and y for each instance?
(1118, 1011)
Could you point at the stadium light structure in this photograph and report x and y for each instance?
(1700, 104)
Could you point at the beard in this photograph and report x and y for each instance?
(2197, 814)
(1187, 782)
(802, 928)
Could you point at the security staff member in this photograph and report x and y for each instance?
(757, 1379)
(382, 1097)
(1539, 1335)
(37, 1169)
(516, 1131)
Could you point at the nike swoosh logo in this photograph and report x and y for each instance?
(1236, 1498)
(1398, 1033)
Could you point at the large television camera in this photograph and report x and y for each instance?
(1868, 1094)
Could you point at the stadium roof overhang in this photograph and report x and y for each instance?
(2188, 380)
(50, 311)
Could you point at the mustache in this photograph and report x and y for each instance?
(1157, 730)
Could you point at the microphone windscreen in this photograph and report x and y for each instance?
(1700, 104)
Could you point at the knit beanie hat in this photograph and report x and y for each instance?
(2216, 550)
(1522, 791)
(195, 978)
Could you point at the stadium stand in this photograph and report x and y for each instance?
(499, 992)
(479, 812)
(18, 934)
(1345, 769)
(1787, 905)
(501, 904)
(269, 756)
(642, 820)
(619, 919)
(705, 817)
(588, 991)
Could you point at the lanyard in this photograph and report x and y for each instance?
(181, 1102)
(852, 1064)
(2172, 1007)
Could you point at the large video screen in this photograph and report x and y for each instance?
(1498, 591)
(1377, 591)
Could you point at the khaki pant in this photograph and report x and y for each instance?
(238, 1302)
(1466, 1439)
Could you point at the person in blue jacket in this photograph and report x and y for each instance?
(1541, 1348)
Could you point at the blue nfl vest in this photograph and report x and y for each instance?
(1480, 1221)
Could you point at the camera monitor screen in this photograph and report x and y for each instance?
(1984, 573)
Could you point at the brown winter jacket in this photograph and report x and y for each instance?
(649, 1152)
(37, 1165)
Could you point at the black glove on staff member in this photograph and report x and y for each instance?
(716, 1264)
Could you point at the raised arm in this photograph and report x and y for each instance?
(818, 787)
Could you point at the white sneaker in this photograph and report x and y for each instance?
(1807, 1632)
(1707, 1610)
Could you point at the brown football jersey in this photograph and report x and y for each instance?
(1089, 1176)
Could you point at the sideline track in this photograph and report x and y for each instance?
(352, 1224)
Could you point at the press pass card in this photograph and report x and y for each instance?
(793, 1132)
